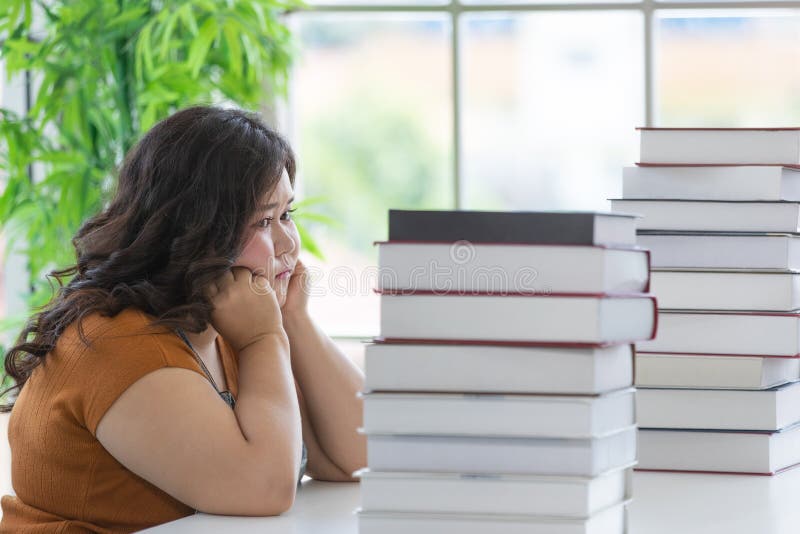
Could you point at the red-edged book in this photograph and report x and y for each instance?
(515, 318)
(517, 267)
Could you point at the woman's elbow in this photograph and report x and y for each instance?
(281, 501)
(265, 496)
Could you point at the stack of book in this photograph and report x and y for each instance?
(718, 388)
(499, 394)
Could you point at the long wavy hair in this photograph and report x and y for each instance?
(182, 212)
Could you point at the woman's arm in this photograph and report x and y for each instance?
(172, 429)
(329, 381)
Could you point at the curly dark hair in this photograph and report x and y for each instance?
(182, 212)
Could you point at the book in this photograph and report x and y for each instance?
(497, 369)
(495, 267)
(513, 415)
(657, 369)
(748, 333)
(713, 216)
(722, 251)
(719, 409)
(530, 227)
(612, 520)
(726, 290)
(719, 451)
(564, 320)
(559, 496)
(720, 145)
(722, 183)
(521, 456)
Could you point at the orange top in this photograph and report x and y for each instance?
(64, 480)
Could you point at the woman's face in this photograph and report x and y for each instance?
(274, 240)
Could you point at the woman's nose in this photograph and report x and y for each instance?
(282, 239)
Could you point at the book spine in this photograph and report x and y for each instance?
(499, 227)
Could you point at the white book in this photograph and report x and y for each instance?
(719, 451)
(749, 333)
(484, 414)
(771, 183)
(711, 372)
(720, 145)
(531, 318)
(560, 496)
(719, 409)
(522, 456)
(713, 216)
(726, 290)
(495, 267)
(722, 251)
(497, 369)
(612, 520)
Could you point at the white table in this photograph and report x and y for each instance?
(663, 503)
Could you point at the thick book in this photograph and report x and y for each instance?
(560, 496)
(497, 369)
(723, 183)
(530, 227)
(517, 318)
(777, 291)
(612, 520)
(706, 371)
(487, 455)
(713, 216)
(496, 267)
(485, 414)
(748, 333)
(722, 251)
(772, 146)
(719, 451)
(719, 409)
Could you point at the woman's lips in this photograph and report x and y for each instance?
(283, 275)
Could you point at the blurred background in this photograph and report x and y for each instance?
(483, 105)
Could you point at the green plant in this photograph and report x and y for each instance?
(104, 72)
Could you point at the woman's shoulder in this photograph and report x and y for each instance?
(131, 331)
(120, 350)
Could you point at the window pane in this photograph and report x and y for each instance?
(551, 102)
(515, 2)
(729, 68)
(372, 119)
(378, 2)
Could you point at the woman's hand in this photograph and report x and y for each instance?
(297, 293)
(246, 308)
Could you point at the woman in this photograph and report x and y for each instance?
(160, 381)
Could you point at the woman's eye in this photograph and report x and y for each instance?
(287, 215)
(264, 223)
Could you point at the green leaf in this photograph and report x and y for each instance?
(234, 47)
(130, 15)
(317, 217)
(143, 52)
(201, 45)
(166, 38)
(187, 18)
(308, 243)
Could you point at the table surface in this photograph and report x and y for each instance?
(663, 503)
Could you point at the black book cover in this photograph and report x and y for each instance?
(530, 227)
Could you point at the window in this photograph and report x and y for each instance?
(515, 104)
